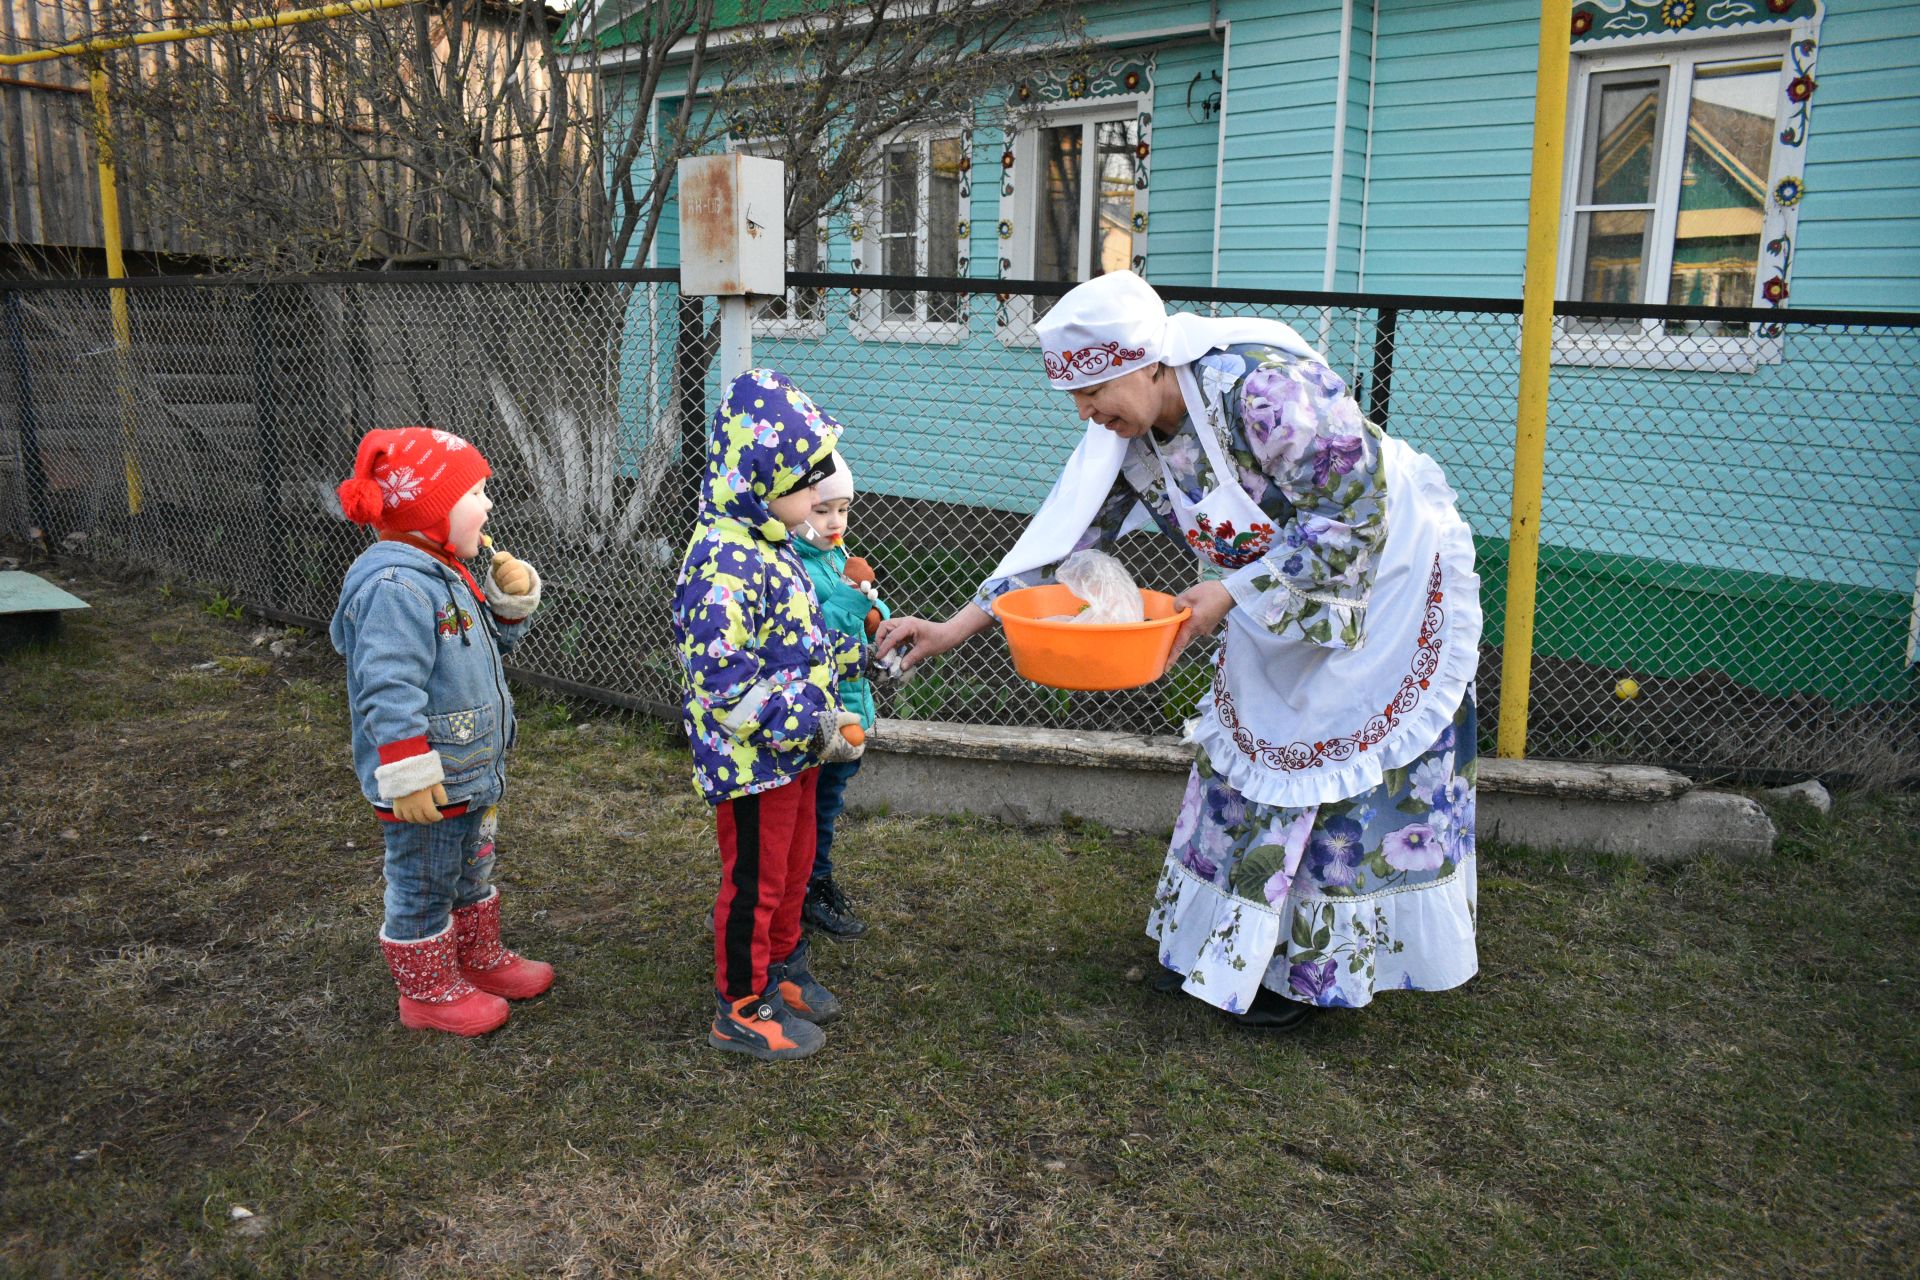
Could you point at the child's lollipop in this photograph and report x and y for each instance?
(519, 580)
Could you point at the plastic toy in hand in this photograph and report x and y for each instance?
(889, 669)
(861, 575)
(839, 738)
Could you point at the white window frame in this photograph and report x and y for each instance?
(870, 322)
(1027, 186)
(1651, 347)
(793, 324)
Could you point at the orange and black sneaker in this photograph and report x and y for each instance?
(763, 1027)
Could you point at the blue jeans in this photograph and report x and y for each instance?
(433, 868)
(832, 798)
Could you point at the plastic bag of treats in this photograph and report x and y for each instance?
(1104, 583)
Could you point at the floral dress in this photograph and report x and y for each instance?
(1324, 903)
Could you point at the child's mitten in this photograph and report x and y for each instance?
(830, 740)
(422, 805)
(513, 588)
(511, 575)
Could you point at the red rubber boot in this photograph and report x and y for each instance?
(433, 995)
(487, 964)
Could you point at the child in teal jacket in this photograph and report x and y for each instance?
(844, 606)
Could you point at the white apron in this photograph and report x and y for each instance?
(1288, 722)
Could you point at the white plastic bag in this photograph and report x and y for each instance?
(1104, 583)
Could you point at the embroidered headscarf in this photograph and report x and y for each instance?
(1100, 330)
(1116, 323)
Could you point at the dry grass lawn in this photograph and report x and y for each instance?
(1706, 1070)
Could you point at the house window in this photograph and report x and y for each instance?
(1086, 198)
(1074, 201)
(799, 312)
(918, 226)
(1671, 185)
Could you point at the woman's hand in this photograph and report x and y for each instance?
(923, 637)
(927, 638)
(1210, 602)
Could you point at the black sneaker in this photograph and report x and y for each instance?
(827, 909)
(1167, 981)
(1272, 1013)
(804, 995)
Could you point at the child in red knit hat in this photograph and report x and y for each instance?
(432, 719)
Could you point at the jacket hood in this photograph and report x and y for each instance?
(765, 439)
(387, 554)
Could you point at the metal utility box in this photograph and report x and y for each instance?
(732, 226)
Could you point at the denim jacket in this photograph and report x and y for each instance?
(424, 677)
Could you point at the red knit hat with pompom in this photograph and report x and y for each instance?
(407, 479)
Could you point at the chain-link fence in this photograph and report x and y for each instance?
(1731, 513)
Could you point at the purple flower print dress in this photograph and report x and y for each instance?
(1320, 851)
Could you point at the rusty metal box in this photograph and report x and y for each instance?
(732, 225)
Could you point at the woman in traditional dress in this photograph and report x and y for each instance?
(1325, 846)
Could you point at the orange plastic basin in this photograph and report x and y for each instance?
(1077, 655)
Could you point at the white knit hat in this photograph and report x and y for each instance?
(837, 485)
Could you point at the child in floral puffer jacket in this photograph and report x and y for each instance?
(761, 709)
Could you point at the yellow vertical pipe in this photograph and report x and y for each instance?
(116, 270)
(92, 50)
(1536, 353)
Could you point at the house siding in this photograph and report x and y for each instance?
(1665, 490)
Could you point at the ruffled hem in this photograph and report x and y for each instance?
(1417, 731)
(1332, 952)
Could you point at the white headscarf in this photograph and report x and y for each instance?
(1110, 326)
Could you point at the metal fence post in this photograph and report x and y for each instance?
(30, 460)
(736, 339)
(266, 432)
(1380, 380)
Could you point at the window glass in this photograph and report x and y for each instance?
(1116, 144)
(1723, 184)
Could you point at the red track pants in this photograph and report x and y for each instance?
(766, 853)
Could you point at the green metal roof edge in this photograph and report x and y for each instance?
(727, 14)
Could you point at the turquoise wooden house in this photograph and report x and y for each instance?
(1737, 497)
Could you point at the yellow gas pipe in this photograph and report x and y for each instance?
(1536, 358)
(91, 52)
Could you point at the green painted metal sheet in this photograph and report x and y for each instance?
(22, 592)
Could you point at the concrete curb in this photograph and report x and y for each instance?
(1132, 782)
